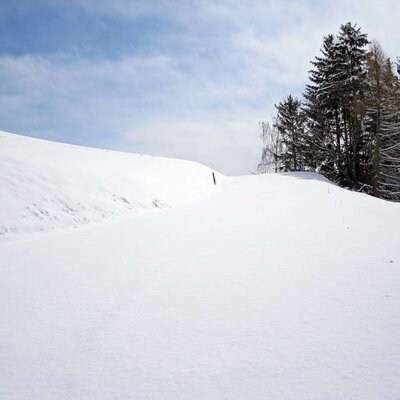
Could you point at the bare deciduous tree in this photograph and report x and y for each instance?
(271, 148)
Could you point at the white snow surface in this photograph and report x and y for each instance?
(279, 286)
(47, 186)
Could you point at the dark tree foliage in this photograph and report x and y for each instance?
(348, 125)
(322, 111)
(334, 105)
(290, 124)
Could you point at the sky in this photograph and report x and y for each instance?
(177, 78)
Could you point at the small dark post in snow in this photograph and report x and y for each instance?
(215, 181)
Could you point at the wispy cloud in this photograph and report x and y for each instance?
(186, 79)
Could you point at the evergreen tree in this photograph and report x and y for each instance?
(351, 75)
(334, 105)
(348, 127)
(321, 109)
(290, 124)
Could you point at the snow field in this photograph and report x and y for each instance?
(274, 287)
(47, 186)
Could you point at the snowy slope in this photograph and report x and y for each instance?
(274, 287)
(46, 185)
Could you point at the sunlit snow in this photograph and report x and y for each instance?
(280, 286)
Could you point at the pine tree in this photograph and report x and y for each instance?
(290, 124)
(334, 105)
(348, 127)
(350, 80)
(321, 108)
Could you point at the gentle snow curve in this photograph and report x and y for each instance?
(47, 186)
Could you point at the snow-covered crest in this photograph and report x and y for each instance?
(46, 185)
(275, 286)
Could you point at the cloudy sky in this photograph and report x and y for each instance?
(182, 78)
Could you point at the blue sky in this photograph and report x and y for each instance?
(187, 79)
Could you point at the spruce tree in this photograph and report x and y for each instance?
(321, 107)
(348, 126)
(350, 79)
(334, 105)
(290, 124)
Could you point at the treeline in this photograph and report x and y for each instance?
(347, 125)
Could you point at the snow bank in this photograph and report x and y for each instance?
(46, 185)
(281, 286)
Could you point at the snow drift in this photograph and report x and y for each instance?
(274, 287)
(46, 185)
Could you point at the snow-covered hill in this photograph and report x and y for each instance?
(46, 185)
(272, 287)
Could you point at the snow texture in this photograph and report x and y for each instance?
(278, 286)
(47, 186)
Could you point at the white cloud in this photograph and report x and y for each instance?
(227, 143)
(202, 96)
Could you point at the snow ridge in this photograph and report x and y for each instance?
(47, 186)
